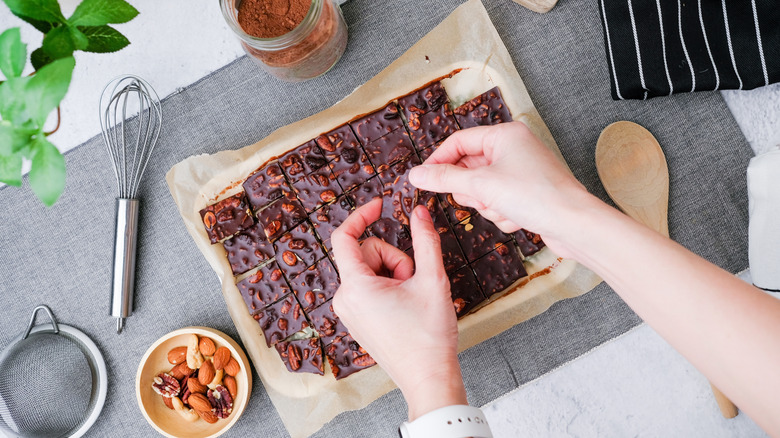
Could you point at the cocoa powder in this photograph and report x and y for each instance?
(271, 18)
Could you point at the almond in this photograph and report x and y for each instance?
(206, 373)
(169, 402)
(196, 387)
(200, 403)
(221, 358)
(206, 347)
(177, 355)
(208, 417)
(181, 371)
(231, 385)
(232, 368)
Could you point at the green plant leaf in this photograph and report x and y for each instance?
(13, 100)
(100, 12)
(39, 58)
(36, 10)
(46, 89)
(11, 169)
(104, 39)
(47, 174)
(13, 53)
(13, 138)
(60, 42)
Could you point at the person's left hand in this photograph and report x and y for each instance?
(405, 320)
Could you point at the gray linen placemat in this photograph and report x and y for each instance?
(61, 256)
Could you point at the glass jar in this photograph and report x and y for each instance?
(307, 51)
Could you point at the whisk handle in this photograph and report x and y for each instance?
(123, 281)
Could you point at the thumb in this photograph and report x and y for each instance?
(427, 245)
(442, 178)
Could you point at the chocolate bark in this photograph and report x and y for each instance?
(466, 293)
(264, 287)
(280, 216)
(265, 185)
(227, 217)
(281, 319)
(329, 217)
(302, 355)
(366, 192)
(316, 189)
(377, 124)
(391, 148)
(428, 98)
(498, 269)
(478, 236)
(347, 357)
(432, 127)
(335, 142)
(298, 249)
(352, 168)
(488, 108)
(316, 285)
(327, 323)
(248, 249)
(529, 243)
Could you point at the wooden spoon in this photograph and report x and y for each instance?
(633, 170)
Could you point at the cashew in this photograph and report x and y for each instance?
(217, 379)
(186, 413)
(194, 358)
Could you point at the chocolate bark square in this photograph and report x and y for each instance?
(488, 108)
(399, 194)
(302, 160)
(265, 185)
(366, 192)
(529, 243)
(466, 293)
(248, 249)
(452, 256)
(427, 152)
(302, 355)
(227, 217)
(352, 168)
(335, 142)
(330, 216)
(498, 269)
(316, 189)
(391, 148)
(381, 122)
(263, 287)
(392, 232)
(478, 236)
(428, 98)
(281, 319)
(327, 323)
(347, 357)
(429, 128)
(298, 249)
(455, 212)
(280, 216)
(316, 284)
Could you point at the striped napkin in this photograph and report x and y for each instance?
(660, 47)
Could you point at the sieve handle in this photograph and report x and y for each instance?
(32, 320)
(123, 281)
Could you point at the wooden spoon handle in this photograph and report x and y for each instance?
(727, 408)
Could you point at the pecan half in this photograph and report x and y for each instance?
(166, 385)
(221, 400)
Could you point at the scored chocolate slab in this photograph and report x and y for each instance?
(488, 108)
(281, 319)
(428, 98)
(248, 249)
(478, 236)
(529, 243)
(432, 127)
(265, 185)
(298, 249)
(347, 357)
(316, 285)
(392, 232)
(366, 192)
(329, 217)
(302, 160)
(398, 192)
(335, 142)
(390, 148)
(455, 212)
(302, 355)
(372, 126)
(280, 216)
(227, 217)
(498, 269)
(264, 287)
(466, 292)
(316, 189)
(352, 168)
(327, 323)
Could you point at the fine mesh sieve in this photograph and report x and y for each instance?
(53, 382)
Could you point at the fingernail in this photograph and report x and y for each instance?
(422, 213)
(417, 174)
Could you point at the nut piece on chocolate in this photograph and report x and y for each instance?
(302, 355)
(333, 143)
(298, 249)
(455, 212)
(391, 148)
(450, 248)
(302, 160)
(226, 217)
(428, 98)
(347, 357)
(432, 127)
(530, 243)
(327, 323)
(488, 108)
(399, 193)
(316, 189)
(281, 215)
(498, 269)
(316, 285)
(478, 236)
(392, 232)
(466, 293)
(366, 192)
(263, 287)
(265, 185)
(329, 217)
(370, 127)
(352, 168)
(248, 249)
(281, 319)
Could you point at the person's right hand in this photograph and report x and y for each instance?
(510, 177)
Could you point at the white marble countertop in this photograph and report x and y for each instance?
(635, 385)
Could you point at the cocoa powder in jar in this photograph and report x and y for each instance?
(271, 18)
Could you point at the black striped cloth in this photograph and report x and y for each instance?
(660, 47)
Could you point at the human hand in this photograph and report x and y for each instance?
(405, 320)
(510, 177)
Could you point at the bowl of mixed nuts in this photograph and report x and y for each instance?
(193, 382)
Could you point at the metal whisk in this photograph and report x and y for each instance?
(130, 118)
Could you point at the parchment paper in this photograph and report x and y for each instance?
(465, 40)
